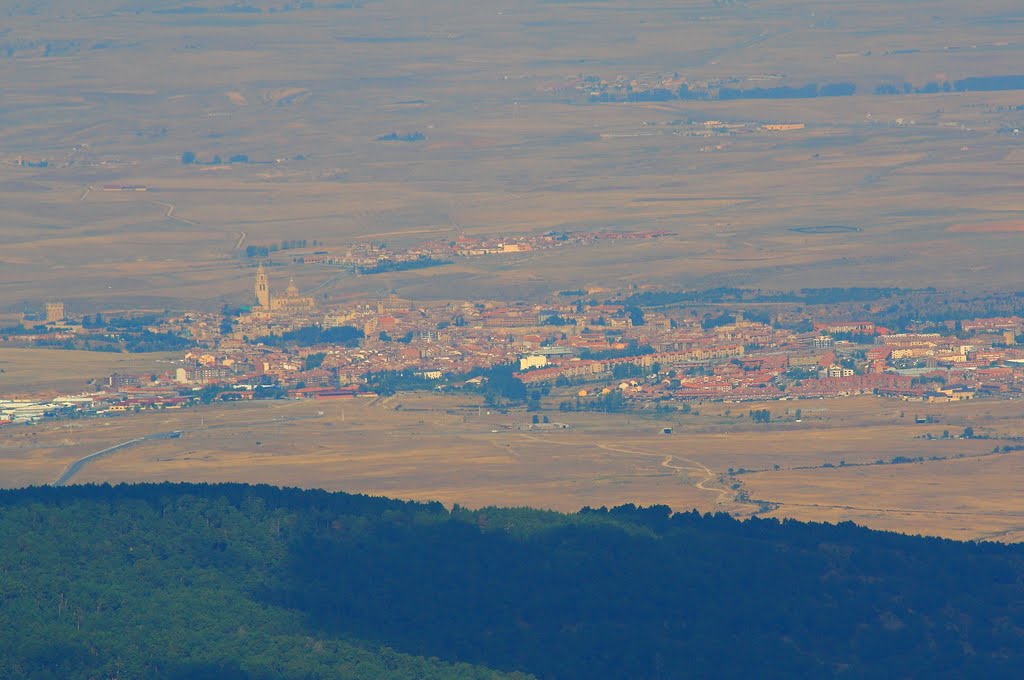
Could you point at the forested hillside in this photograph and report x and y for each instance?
(169, 581)
(232, 581)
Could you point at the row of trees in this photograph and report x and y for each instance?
(253, 251)
(689, 92)
(384, 266)
(971, 84)
(190, 158)
(307, 336)
(813, 90)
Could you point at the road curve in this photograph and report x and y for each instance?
(77, 466)
(667, 459)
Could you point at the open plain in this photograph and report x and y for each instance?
(511, 144)
(46, 371)
(835, 464)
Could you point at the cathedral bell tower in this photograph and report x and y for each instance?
(262, 288)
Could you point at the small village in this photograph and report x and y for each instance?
(582, 353)
(369, 257)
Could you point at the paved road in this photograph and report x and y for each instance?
(77, 466)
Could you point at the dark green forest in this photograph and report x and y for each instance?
(236, 581)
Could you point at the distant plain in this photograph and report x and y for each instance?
(114, 98)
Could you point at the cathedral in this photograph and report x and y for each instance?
(289, 303)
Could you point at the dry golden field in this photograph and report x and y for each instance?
(451, 449)
(114, 98)
(32, 371)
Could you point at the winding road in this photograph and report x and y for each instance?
(77, 466)
(724, 495)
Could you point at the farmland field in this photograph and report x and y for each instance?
(454, 450)
(34, 371)
(511, 145)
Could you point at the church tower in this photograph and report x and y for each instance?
(55, 312)
(262, 288)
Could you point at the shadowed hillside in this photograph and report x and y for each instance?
(240, 581)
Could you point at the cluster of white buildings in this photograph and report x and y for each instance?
(31, 410)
